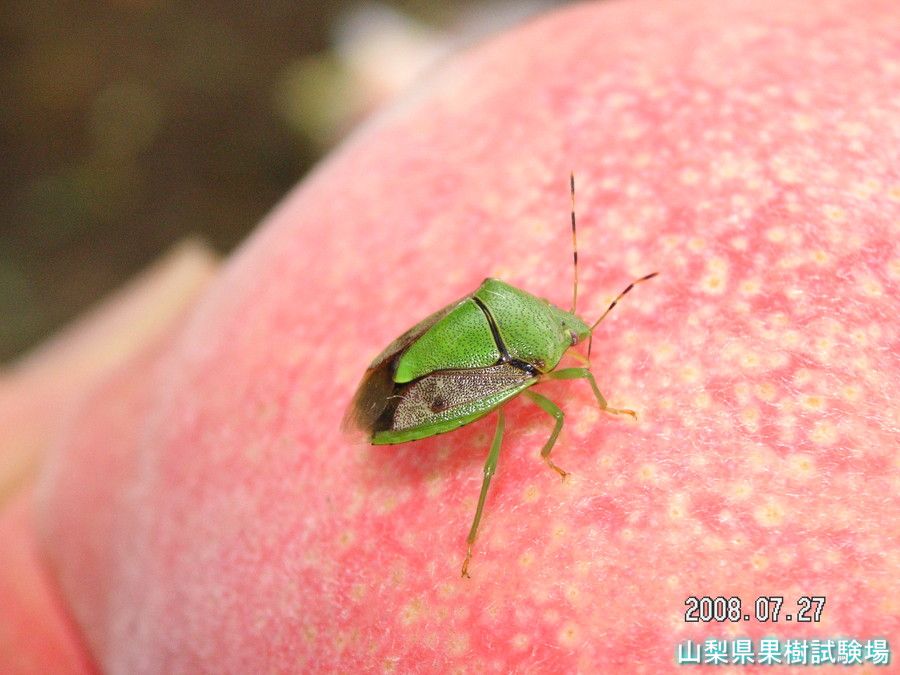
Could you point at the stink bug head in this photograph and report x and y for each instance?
(572, 325)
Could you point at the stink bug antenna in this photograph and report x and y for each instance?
(574, 243)
(613, 304)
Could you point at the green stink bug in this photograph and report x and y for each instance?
(469, 358)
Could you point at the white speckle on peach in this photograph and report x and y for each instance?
(689, 176)
(647, 473)
(641, 160)
(776, 360)
(776, 234)
(802, 123)
(669, 242)
(812, 402)
(633, 232)
(800, 466)
(412, 611)
(446, 590)
(828, 174)
(713, 284)
(750, 417)
(791, 261)
(780, 319)
(862, 365)
(434, 485)
(749, 360)
(893, 268)
(386, 505)
(531, 494)
(750, 286)
(663, 352)
(851, 393)
(742, 392)
(551, 615)
(823, 347)
(569, 634)
(677, 509)
(765, 391)
(718, 265)
(785, 168)
(852, 129)
(871, 287)
(702, 401)
(573, 594)
(559, 532)
(519, 642)
(358, 592)
(696, 244)
(759, 561)
(759, 459)
(790, 338)
(458, 644)
(397, 575)
(769, 514)
(606, 460)
(866, 188)
(823, 433)
(834, 213)
(586, 420)
(820, 257)
(787, 425)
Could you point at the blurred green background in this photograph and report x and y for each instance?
(128, 125)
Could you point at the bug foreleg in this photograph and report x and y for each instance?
(584, 373)
(552, 409)
(490, 467)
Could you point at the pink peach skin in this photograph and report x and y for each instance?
(38, 395)
(203, 513)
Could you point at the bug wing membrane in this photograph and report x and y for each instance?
(370, 400)
(373, 395)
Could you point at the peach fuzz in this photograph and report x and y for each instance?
(202, 512)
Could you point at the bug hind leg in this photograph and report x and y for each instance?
(490, 467)
(585, 374)
(554, 411)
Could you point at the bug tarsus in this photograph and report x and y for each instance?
(465, 567)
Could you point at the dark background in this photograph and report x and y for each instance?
(128, 125)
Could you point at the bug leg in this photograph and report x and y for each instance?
(550, 408)
(584, 373)
(490, 467)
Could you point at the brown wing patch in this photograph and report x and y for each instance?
(371, 398)
(430, 398)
